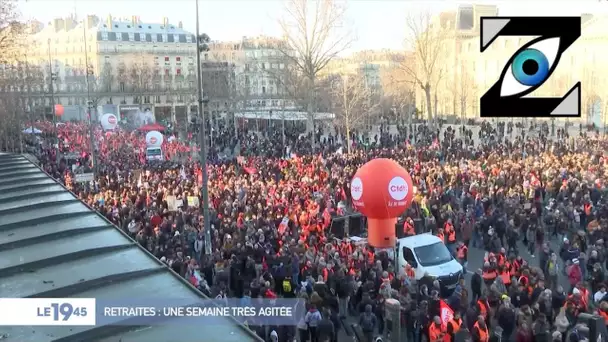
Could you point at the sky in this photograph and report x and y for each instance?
(375, 24)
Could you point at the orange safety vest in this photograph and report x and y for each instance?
(455, 326)
(451, 235)
(489, 275)
(460, 253)
(483, 334)
(584, 297)
(506, 277)
(500, 259)
(435, 333)
(483, 311)
(604, 316)
(408, 229)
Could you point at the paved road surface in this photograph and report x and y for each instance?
(475, 258)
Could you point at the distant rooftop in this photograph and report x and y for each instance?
(114, 24)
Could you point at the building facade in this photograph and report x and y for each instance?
(466, 73)
(131, 66)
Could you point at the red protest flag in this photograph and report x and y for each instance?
(446, 312)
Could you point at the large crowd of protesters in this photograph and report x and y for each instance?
(271, 207)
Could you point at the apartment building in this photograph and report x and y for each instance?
(262, 75)
(467, 73)
(132, 66)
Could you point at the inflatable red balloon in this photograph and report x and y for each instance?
(381, 190)
(58, 110)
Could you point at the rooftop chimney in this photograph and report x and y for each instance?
(92, 20)
(165, 22)
(109, 22)
(180, 25)
(134, 20)
(58, 24)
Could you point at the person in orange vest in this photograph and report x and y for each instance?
(409, 272)
(505, 275)
(436, 330)
(501, 257)
(483, 307)
(489, 274)
(584, 296)
(449, 230)
(453, 326)
(408, 227)
(603, 311)
(440, 234)
(462, 253)
(480, 331)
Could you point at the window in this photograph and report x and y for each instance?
(112, 36)
(176, 37)
(153, 37)
(178, 59)
(166, 59)
(139, 37)
(104, 35)
(432, 255)
(178, 71)
(131, 36)
(118, 36)
(166, 72)
(408, 255)
(188, 38)
(165, 38)
(122, 86)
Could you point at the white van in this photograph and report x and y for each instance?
(154, 153)
(426, 253)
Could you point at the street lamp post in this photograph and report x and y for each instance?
(52, 76)
(89, 72)
(203, 142)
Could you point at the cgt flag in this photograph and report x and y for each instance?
(446, 313)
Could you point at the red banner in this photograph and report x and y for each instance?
(446, 313)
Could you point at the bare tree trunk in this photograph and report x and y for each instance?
(283, 129)
(429, 107)
(310, 124)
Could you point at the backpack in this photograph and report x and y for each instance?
(287, 286)
(367, 322)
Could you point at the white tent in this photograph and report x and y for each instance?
(32, 130)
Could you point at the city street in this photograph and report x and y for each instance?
(475, 258)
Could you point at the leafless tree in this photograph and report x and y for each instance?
(122, 78)
(465, 89)
(428, 41)
(397, 88)
(314, 31)
(140, 75)
(219, 85)
(350, 99)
